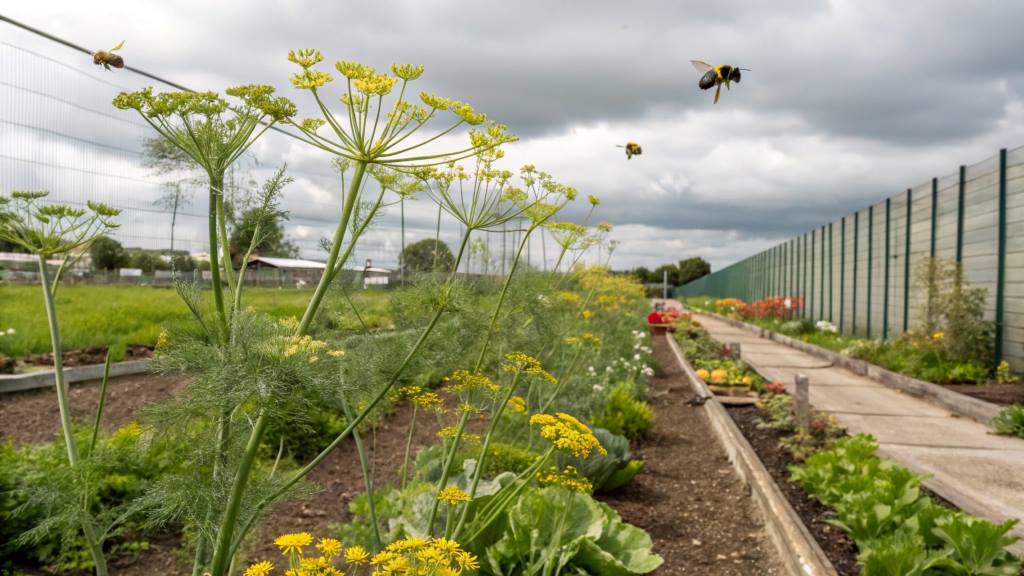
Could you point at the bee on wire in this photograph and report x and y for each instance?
(632, 149)
(717, 75)
(107, 58)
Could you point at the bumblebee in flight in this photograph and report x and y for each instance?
(632, 149)
(107, 58)
(716, 76)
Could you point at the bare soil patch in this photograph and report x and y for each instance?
(698, 512)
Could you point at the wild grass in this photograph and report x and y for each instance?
(118, 316)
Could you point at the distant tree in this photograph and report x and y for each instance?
(420, 256)
(148, 261)
(107, 254)
(167, 160)
(273, 241)
(692, 269)
(642, 273)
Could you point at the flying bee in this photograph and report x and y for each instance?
(107, 58)
(632, 149)
(716, 76)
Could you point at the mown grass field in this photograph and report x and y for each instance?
(102, 315)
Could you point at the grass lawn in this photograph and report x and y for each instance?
(101, 315)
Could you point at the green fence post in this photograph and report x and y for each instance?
(842, 274)
(832, 272)
(906, 265)
(1001, 278)
(821, 281)
(856, 254)
(935, 213)
(960, 215)
(885, 290)
(871, 257)
(813, 239)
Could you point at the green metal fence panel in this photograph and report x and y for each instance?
(862, 269)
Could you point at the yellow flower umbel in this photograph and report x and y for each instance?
(520, 362)
(417, 556)
(517, 404)
(462, 381)
(568, 434)
(938, 336)
(568, 478)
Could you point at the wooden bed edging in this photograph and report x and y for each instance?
(797, 548)
(42, 379)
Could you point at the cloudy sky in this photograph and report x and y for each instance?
(848, 101)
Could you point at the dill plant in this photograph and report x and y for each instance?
(48, 230)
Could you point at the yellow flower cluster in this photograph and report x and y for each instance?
(938, 336)
(584, 338)
(293, 547)
(452, 495)
(465, 381)
(407, 72)
(127, 433)
(375, 84)
(570, 297)
(568, 434)
(569, 478)
(435, 102)
(426, 399)
(419, 556)
(587, 314)
(293, 543)
(310, 79)
(517, 404)
(307, 346)
(161, 342)
(520, 362)
(353, 70)
(305, 58)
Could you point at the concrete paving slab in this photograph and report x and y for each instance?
(981, 473)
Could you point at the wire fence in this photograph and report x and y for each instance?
(59, 132)
(858, 272)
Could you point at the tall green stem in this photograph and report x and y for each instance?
(367, 481)
(221, 556)
(95, 549)
(305, 470)
(332, 259)
(225, 244)
(218, 292)
(408, 445)
(450, 453)
(482, 458)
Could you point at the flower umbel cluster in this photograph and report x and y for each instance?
(568, 434)
(462, 381)
(419, 556)
(526, 364)
(568, 478)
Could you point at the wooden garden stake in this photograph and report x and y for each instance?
(802, 399)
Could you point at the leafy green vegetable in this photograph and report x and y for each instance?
(609, 471)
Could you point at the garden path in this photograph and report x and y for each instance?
(979, 472)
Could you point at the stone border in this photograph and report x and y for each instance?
(42, 379)
(957, 403)
(797, 548)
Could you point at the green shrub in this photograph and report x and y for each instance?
(624, 415)
(1010, 421)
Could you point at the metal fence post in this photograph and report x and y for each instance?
(871, 256)
(906, 265)
(960, 215)
(1001, 278)
(842, 274)
(935, 214)
(856, 255)
(812, 273)
(885, 291)
(831, 271)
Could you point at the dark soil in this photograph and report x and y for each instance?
(89, 356)
(836, 544)
(700, 516)
(32, 416)
(1004, 394)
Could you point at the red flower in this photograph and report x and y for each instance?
(655, 318)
